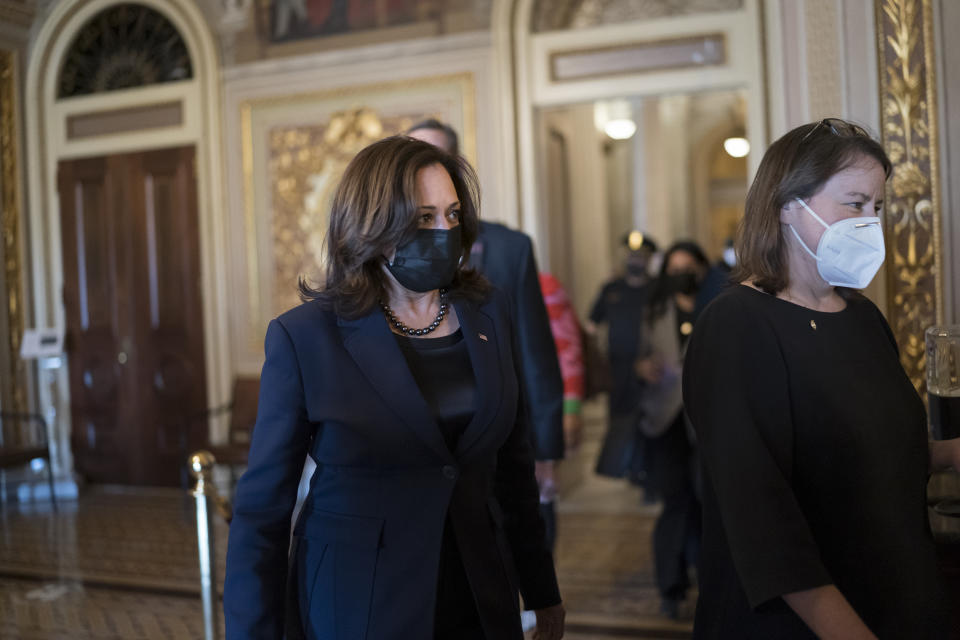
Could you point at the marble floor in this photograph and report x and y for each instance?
(121, 563)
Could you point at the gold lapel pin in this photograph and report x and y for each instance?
(813, 325)
(482, 337)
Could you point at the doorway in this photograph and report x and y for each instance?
(134, 320)
(667, 175)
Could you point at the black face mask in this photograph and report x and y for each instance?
(636, 270)
(429, 260)
(685, 283)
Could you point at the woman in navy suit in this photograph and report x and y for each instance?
(398, 378)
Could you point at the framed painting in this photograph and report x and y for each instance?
(296, 19)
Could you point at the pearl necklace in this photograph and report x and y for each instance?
(407, 331)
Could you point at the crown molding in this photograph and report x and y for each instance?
(16, 14)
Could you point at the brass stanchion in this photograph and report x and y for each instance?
(205, 493)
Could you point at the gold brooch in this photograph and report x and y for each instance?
(813, 325)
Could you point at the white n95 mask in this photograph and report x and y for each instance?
(850, 251)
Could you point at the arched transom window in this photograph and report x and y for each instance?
(122, 47)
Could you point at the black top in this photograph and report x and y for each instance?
(441, 367)
(815, 458)
(621, 306)
(442, 370)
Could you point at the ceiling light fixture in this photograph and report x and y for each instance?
(620, 129)
(736, 146)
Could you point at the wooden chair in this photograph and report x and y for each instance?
(243, 414)
(23, 438)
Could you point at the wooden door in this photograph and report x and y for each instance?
(132, 297)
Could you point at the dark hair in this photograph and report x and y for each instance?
(453, 141)
(660, 290)
(795, 166)
(374, 210)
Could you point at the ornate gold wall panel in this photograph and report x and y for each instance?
(12, 305)
(912, 219)
(305, 165)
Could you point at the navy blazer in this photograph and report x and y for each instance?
(364, 558)
(506, 258)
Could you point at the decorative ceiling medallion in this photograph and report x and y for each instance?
(122, 47)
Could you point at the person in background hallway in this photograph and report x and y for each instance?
(670, 318)
(813, 440)
(717, 278)
(620, 306)
(506, 258)
(398, 377)
(566, 337)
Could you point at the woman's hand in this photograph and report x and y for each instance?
(945, 454)
(572, 431)
(550, 623)
(828, 614)
(650, 369)
(543, 470)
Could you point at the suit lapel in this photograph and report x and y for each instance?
(480, 335)
(375, 351)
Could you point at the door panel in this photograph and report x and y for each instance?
(94, 317)
(171, 325)
(134, 317)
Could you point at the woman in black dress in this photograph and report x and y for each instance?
(813, 440)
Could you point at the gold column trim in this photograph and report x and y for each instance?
(912, 211)
(10, 223)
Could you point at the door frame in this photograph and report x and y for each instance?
(46, 128)
(523, 57)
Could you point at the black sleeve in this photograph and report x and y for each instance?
(515, 487)
(598, 313)
(538, 365)
(255, 583)
(882, 321)
(736, 393)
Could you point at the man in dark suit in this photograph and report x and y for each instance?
(506, 258)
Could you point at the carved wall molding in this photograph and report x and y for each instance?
(555, 15)
(10, 218)
(912, 212)
(824, 61)
(16, 14)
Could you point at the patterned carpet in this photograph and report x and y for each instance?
(122, 564)
(42, 610)
(604, 565)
